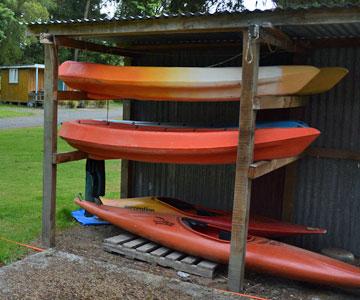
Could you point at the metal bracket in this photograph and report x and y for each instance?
(254, 31)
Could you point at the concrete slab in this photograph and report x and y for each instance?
(60, 275)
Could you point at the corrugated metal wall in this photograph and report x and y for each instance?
(211, 186)
(328, 190)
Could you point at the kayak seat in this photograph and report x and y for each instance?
(176, 203)
(201, 212)
(225, 235)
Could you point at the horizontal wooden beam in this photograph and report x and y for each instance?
(163, 47)
(263, 167)
(72, 95)
(59, 158)
(275, 102)
(334, 153)
(331, 43)
(88, 46)
(275, 37)
(235, 22)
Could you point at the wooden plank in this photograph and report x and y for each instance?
(148, 247)
(72, 95)
(189, 259)
(276, 102)
(199, 24)
(263, 167)
(203, 271)
(175, 255)
(334, 153)
(161, 256)
(50, 146)
(242, 190)
(135, 243)
(207, 264)
(88, 46)
(161, 251)
(119, 239)
(59, 158)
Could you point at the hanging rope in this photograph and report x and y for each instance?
(107, 112)
(225, 61)
(253, 35)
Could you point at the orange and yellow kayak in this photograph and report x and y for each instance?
(258, 225)
(162, 144)
(179, 83)
(211, 242)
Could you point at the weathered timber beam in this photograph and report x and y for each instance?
(245, 150)
(50, 145)
(334, 153)
(59, 158)
(275, 37)
(126, 165)
(88, 46)
(331, 43)
(275, 102)
(162, 47)
(78, 95)
(261, 168)
(195, 24)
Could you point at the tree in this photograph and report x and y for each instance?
(14, 14)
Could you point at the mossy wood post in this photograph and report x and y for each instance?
(50, 145)
(242, 191)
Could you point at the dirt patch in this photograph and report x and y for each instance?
(87, 242)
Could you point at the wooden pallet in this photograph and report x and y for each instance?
(135, 247)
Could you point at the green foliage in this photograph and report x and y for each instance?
(312, 3)
(154, 7)
(13, 15)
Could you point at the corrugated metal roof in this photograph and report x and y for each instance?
(297, 22)
(343, 30)
(300, 7)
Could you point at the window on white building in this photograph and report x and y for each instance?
(13, 76)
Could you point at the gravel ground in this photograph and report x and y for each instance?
(64, 114)
(61, 275)
(87, 242)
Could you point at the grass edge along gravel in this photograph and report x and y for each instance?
(21, 156)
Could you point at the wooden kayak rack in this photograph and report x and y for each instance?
(246, 170)
(134, 247)
(256, 28)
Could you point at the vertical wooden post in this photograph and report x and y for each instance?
(125, 177)
(242, 192)
(50, 145)
(126, 165)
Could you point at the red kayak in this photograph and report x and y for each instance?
(258, 225)
(203, 240)
(114, 140)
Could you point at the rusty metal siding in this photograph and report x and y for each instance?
(328, 190)
(211, 186)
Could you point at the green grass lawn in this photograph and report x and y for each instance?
(12, 112)
(21, 153)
